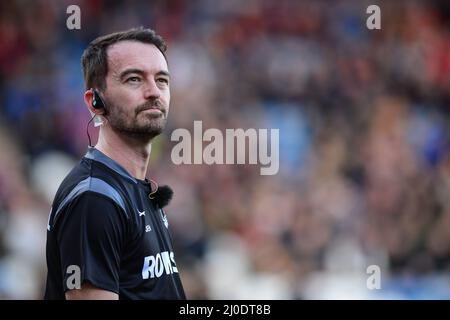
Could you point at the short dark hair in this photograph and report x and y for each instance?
(94, 60)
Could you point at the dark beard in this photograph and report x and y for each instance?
(137, 127)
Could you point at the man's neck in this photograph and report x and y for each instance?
(130, 153)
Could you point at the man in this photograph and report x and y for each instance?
(108, 236)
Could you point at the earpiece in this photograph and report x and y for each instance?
(97, 102)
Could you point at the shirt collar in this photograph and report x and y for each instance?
(97, 155)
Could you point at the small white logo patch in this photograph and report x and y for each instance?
(164, 218)
(141, 213)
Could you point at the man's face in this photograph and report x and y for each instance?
(137, 94)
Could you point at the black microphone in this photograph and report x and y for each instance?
(162, 196)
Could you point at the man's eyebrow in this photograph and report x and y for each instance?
(163, 73)
(126, 72)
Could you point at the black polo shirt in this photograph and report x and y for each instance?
(104, 225)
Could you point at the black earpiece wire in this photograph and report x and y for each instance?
(87, 130)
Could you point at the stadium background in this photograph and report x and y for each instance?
(364, 142)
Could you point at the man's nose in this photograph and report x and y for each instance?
(151, 90)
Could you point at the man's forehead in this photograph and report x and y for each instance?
(125, 54)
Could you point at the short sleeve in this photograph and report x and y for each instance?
(91, 235)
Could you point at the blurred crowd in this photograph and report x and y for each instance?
(364, 141)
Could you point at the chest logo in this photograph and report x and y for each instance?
(164, 218)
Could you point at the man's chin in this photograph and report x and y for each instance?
(143, 130)
(145, 134)
(151, 132)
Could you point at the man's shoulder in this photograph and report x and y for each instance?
(88, 177)
(78, 173)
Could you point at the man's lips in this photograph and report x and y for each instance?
(154, 111)
(151, 109)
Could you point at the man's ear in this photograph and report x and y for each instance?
(88, 98)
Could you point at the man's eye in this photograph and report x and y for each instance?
(163, 80)
(133, 79)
